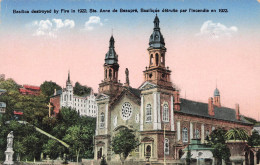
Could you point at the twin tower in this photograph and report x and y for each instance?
(156, 72)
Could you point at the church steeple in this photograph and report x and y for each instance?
(217, 98)
(111, 68)
(111, 56)
(68, 80)
(156, 38)
(157, 72)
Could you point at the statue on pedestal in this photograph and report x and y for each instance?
(9, 149)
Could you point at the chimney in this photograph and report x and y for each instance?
(211, 107)
(55, 92)
(177, 100)
(237, 112)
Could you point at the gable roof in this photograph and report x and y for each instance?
(201, 109)
(132, 91)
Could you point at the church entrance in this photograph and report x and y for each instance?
(99, 153)
(148, 151)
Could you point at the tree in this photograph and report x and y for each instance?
(48, 87)
(221, 151)
(79, 139)
(53, 149)
(123, 143)
(254, 139)
(81, 90)
(217, 141)
(236, 134)
(217, 136)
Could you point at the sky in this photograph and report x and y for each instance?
(205, 50)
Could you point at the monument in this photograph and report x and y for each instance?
(9, 149)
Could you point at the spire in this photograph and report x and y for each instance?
(112, 42)
(111, 56)
(156, 39)
(68, 81)
(156, 22)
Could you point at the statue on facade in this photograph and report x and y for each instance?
(9, 149)
(127, 76)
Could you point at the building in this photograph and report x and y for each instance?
(84, 105)
(30, 90)
(2, 104)
(163, 122)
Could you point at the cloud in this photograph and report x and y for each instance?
(216, 30)
(50, 28)
(64, 24)
(92, 22)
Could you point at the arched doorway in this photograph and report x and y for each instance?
(99, 153)
(148, 151)
(180, 153)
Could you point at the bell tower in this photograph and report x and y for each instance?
(110, 84)
(217, 98)
(156, 72)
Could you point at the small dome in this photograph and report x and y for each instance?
(216, 92)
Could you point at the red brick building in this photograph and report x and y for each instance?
(55, 101)
(163, 122)
(30, 90)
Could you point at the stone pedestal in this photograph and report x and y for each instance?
(9, 156)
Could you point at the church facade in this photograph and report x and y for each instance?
(163, 122)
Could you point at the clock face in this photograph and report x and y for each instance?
(126, 111)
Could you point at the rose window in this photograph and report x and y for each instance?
(126, 111)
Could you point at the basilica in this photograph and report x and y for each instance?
(163, 122)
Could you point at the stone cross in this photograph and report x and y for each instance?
(49, 105)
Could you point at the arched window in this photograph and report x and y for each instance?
(102, 120)
(166, 146)
(151, 59)
(197, 134)
(162, 58)
(207, 134)
(65, 99)
(165, 113)
(185, 135)
(110, 73)
(106, 73)
(70, 98)
(148, 113)
(157, 59)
